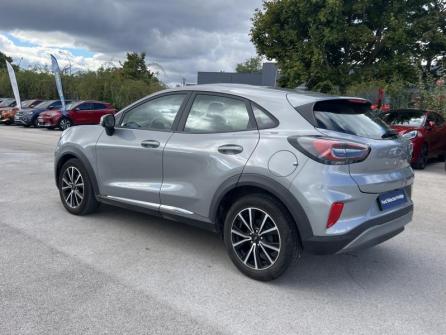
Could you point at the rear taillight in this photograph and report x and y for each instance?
(329, 150)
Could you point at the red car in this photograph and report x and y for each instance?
(425, 129)
(78, 113)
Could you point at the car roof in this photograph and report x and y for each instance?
(91, 101)
(261, 93)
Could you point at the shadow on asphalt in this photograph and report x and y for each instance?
(370, 267)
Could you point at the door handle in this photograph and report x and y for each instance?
(230, 149)
(150, 144)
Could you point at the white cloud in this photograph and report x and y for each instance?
(56, 39)
(39, 54)
(183, 36)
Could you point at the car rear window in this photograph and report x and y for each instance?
(404, 118)
(350, 117)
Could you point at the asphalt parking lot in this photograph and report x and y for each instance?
(122, 272)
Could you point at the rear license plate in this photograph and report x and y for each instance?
(391, 199)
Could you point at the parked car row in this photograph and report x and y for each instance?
(49, 113)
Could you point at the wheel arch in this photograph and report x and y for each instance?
(252, 183)
(73, 153)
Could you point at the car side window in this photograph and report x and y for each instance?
(155, 114)
(263, 119)
(54, 105)
(97, 106)
(85, 106)
(217, 114)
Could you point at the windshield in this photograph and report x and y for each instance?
(26, 103)
(45, 104)
(404, 118)
(6, 103)
(71, 105)
(350, 117)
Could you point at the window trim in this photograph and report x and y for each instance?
(150, 98)
(186, 112)
(272, 117)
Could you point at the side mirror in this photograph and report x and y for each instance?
(108, 122)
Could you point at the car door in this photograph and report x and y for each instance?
(99, 110)
(129, 163)
(82, 113)
(433, 134)
(215, 138)
(441, 134)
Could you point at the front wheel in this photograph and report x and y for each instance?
(35, 123)
(260, 237)
(65, 123)
(75, 189)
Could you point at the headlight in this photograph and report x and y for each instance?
(411, 134)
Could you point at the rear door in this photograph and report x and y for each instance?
(216, 137)
(100, 109)
(387, 167)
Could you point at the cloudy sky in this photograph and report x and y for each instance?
(183, 36)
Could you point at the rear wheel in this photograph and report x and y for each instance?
(422, 159)
(64, 123)
(75, 189)
(260, 237)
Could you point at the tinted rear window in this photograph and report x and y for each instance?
(350, 117)
(404, 118)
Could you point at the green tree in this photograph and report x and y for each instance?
(135, 67)
(4, 58)
(117, 85)
(253, 64)
(328, 45)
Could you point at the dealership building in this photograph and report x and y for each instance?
(266, 77)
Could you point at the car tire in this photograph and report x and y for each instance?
(64, 123)
(421, 162)
(264, 244)
(35, 123)
(82, 200)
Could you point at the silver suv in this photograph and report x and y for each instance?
(275, 172)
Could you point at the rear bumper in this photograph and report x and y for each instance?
(368, 234)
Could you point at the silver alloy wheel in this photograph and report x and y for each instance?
(255, 238)
(64, 124)
(72, 187)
